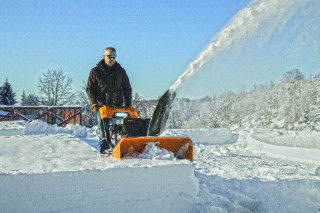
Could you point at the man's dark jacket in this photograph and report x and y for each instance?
(106, 81)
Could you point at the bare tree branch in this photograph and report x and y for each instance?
(56, 87)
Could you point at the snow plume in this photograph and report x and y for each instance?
(265, 15)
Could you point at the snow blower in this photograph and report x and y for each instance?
(129, 133)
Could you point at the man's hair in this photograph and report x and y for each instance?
(111, 49)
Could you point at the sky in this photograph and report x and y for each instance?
(155, 42)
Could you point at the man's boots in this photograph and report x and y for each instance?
(105, 145)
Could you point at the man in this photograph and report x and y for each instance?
(108, 84)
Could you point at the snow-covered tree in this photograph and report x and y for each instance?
(294, 107)
(138, 104)
(23, 97)
(81, 99)
(31, 100)
(182, 110)
(0, 95)
(315, 91)
(7, 95)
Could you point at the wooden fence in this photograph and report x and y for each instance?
(70, 114)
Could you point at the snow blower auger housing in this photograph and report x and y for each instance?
(127, 132)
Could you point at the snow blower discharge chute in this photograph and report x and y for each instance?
(129, 134)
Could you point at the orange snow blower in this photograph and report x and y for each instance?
(128, 133)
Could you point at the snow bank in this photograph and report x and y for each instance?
(290, 153)
(168, 188)
(205, 136)
(41, 127)
(292, 147)
(8, 128)
(302, 139)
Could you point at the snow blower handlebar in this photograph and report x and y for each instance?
(109, 112)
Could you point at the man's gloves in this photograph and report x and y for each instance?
(95, 107)
(128, 105)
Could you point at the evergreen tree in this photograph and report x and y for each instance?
(7, 95)
(0, 95)
(31, 100)
(23, 97)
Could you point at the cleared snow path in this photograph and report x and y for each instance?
(244, 176)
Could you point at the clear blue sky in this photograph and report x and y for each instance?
(155, 41)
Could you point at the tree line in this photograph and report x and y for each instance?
(292, 103)
(54, 89)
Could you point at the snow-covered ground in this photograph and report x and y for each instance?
(44, 168)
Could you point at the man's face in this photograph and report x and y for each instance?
(109, 57)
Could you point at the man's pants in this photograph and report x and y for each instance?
(101, 127)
